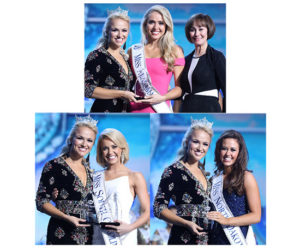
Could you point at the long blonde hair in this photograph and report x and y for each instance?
(166, 43)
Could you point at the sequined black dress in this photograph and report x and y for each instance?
(72, 199)
(103, 70)
(191, 200)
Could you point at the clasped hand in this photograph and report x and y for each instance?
(153, 99)
(218, 217)
(123, 228)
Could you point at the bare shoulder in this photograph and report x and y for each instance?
(178, 51)
(249, 179)
(136, 177)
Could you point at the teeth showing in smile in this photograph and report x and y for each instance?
(111, 157)
(82, 149)
(155, 32)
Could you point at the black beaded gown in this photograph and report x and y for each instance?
(103, 70)
(73, 199)
(191, 200)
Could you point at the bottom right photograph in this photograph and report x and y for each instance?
(208, 179)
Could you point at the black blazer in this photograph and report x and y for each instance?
(209, 73)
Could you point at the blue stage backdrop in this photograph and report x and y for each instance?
(95, 15)
(52, 129)
(167, 131)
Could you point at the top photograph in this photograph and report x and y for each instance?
(145, 58)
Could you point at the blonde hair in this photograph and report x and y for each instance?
(116, 137)
(166, 43)
(182, 153)
(68, 144)
(104, 40)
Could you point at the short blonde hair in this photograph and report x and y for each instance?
(116, 137)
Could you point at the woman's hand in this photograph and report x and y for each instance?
(123, 228)
(75, 221)
(153, 99)
(218, 217)
(130, 96)
(194, 228)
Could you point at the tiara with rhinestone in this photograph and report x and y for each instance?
(117, 11)
(201, 123)
(86, 119)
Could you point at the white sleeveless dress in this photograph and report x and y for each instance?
(120, 201)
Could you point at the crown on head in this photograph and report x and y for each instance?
(117, 11)
(86, 119)
(201, 123)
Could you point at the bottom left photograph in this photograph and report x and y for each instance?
(92, 162)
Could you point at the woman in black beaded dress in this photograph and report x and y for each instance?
(204, 73)
(70, 175)
(108, 77)
(186, 184)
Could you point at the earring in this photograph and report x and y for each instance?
(122, 157)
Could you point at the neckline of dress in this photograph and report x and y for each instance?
(117, 178)
(194, 177)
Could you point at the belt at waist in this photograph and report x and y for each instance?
(193, 210)
(212, 92)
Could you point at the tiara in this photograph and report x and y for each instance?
(117, 11)
(201, 123)
(86, 119)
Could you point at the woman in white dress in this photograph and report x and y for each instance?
(121, 187)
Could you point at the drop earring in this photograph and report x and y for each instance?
(122, 157)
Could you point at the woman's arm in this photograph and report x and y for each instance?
(253, 199)
(94, 73)
(102, 93)
(49, 209)
(170, 217)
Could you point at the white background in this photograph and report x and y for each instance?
(42, 60)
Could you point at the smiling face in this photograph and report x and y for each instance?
(198, 33)
(82, 141)
(118, 33)
(198, 145)
(111, 152)
(229, 152)
(155, 26)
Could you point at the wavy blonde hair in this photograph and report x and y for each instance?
(166, 43)
(104, 40)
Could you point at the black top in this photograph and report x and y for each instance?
(190, 197)
(209, 73)
(73, 199)
(103, 70)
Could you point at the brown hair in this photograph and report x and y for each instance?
(205, 21)
(235, 180)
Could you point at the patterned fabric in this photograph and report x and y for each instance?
(103, 70)
(72, 199)
(180, 185)
(238, 206)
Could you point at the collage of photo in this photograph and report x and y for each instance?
(156, 157)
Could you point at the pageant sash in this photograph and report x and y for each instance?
(233, 234)
(102, 208)
(143, 77)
